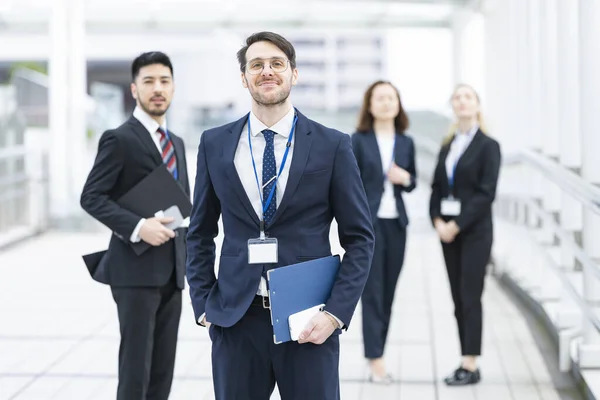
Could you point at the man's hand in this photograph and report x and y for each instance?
(154, 232)
(398, 176)
(205, 322)
(318, 329)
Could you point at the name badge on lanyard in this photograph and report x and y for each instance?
(450, 207)
(264, 250)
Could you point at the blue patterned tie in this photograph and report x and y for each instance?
(269, 170)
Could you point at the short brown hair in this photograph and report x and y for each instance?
(365, 120)
(282, 44)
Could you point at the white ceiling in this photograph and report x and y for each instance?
(180, 16)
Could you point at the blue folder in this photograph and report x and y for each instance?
(297, 287)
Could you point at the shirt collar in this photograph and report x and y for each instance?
(149, 123)
(470, 133)
(281, 127)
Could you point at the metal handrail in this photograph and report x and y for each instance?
(578, 253)
(587, 194)
(569, 181)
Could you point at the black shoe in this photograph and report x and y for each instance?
(462, 377)
(453, 375)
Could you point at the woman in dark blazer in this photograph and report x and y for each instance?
(463, 190)
(386, 159)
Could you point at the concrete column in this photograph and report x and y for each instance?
(331, 71)
(569, 132)
(78, 101)
(59, 184)
(589, 65)
(530, 77)
(67, 70)
(460, 20)
(548, 90)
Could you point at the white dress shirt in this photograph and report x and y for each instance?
(387, 207)
(457, 148)
(243, 164)
(151, 126)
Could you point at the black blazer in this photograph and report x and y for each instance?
(475, 183)
(125, 156)
(367, 155)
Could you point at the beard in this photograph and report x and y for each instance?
(157, 112)
(272, 99)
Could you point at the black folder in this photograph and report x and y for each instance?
(157, 191)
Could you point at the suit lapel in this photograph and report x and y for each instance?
(471, 148)
(146, 140)
(179, 149)
(302, 145)
(373, 148)
(231, 140)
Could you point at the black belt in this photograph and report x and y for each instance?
(261, 301)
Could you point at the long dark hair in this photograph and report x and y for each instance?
(365, 120)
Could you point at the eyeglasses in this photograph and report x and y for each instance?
(278, 65)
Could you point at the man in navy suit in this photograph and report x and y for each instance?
(274, 174)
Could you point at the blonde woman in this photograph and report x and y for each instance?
(463, 189)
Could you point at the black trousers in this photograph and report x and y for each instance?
(466, 261)
(149, 324)
(378, 294)
(247, 364)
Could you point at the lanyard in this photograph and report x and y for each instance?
(451, 177)
(267, 203)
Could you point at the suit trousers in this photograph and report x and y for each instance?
(247, 363)
(378, 294)
(466, 262)
(149, 323)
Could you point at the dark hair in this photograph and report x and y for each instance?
(149, 58)
(282, 44)
(365, 120)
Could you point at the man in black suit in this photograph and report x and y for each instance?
(147, 287)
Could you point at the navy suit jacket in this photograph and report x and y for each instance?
(324, 183)
(368, 157)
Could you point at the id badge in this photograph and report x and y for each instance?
(262, 251)
(450, 207)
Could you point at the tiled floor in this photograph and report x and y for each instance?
(59, 331)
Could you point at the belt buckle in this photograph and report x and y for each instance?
(265, 302)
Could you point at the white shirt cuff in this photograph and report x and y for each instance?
(135, 235)
(340, 323)
(201, 318)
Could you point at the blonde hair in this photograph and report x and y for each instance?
(454, 126)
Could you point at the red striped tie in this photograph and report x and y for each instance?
(168, 152)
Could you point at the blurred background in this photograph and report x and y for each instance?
(64, 80)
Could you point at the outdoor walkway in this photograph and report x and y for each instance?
(59, 331)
